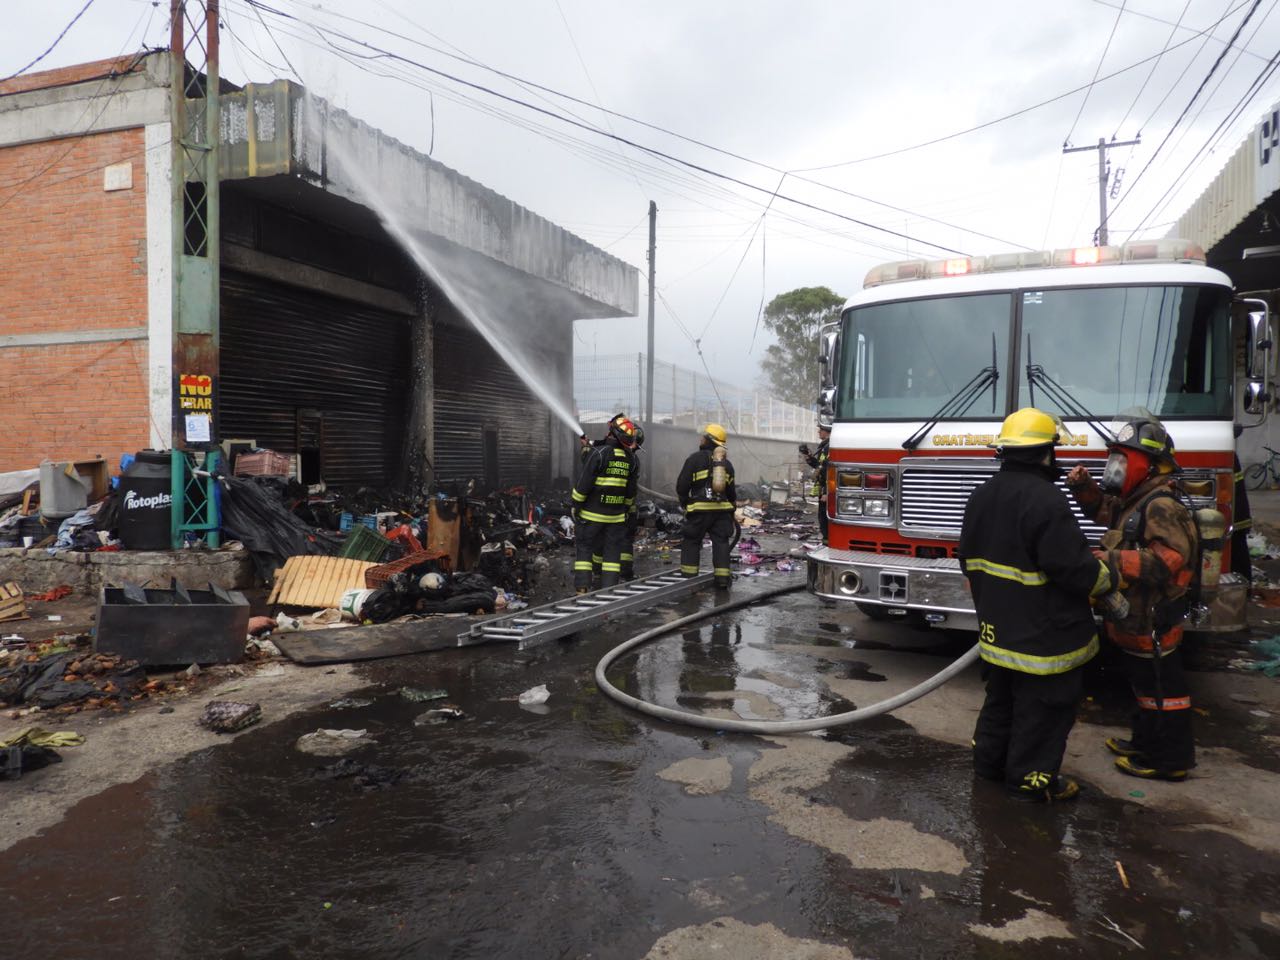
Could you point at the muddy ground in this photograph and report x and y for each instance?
(582, 829)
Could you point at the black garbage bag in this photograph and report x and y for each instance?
(477, 600)
(23, 758)
(254, 514)
(385, 604)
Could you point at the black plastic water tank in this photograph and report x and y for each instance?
(146, 501)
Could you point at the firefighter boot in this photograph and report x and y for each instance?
(1121, 747)
(1043, 788)
(1138, 767)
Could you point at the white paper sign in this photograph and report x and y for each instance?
(197, 428)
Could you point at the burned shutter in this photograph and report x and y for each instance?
(303, 369)
(477, 396)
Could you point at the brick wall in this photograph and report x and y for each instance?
(78, 73)
(74, 259)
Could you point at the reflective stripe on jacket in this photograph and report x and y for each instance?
(1031, 573)
(693, 486)
(818, 463)
(1156, 568)
(606, 487)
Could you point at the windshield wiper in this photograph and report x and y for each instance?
(962, 399)
(1062, 397)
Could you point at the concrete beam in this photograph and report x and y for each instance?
(350, 159)
(54, 338)
(235, 257)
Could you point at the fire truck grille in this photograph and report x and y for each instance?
(933, 500)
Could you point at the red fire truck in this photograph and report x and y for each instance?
(931, 356)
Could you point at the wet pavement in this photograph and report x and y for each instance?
(581, 829)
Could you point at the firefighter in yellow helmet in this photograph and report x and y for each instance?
(706, 492)
(1032, 575)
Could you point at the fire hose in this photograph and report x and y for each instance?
(759, 726)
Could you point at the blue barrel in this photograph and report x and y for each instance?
(146, 501)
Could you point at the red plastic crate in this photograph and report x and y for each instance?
(375, 577)
(264, 463)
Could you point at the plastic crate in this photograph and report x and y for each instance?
(348, 520)
(375, 577)
(264, 463)
(364, 544)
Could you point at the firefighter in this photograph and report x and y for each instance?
(602, 497)
(1032, 575)
(817, 461)
(1152, 543)
(633, 517)
(708, 510)
(587, 446)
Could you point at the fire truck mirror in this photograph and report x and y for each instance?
(1255, 397)
(1258, 344)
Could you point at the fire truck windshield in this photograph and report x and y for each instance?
(1166, 348)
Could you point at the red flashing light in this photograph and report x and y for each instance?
(876, 481)
(957, 267)
(1084, 256)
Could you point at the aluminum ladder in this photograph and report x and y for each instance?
(563, 617)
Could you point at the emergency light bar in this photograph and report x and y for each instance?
(1144, 251)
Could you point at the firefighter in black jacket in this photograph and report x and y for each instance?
(708, 510)
(632, 523)
(1032, 575)
(602, 497)
(588, 447)
(817, 461)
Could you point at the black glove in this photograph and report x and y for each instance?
(804, 448)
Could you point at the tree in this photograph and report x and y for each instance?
(791, 365)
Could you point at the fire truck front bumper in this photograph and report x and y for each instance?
(936, 589)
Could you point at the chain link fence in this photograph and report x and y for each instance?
(606, 384)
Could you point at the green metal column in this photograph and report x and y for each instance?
(196, 265)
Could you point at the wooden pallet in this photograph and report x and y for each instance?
(12, 604)
(317, 581)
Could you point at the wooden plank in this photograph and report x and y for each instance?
(279, 578)
(308, 588)
(12, 604)
(331, 583)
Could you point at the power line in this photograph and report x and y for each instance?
(1150, 73)
(531, 85)
(1024, 110)
(56, 41)
(1254, 88)
(1203, 83)
(378, 52)
(1101, 60)
(1168, 23)
(1174, 86)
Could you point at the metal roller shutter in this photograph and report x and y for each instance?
(476, 391)
(295, 361)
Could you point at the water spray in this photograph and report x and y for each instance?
(412, 246)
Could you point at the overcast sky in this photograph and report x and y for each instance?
(786, 87)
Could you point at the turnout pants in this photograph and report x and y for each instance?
(718, 524)
(822, 518)
(603, 540)
(1162, 715)
(629, 546)
(1023, 726)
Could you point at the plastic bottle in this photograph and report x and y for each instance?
(1213, 527)
(719, 472)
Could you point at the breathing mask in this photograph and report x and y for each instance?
(1125, 469)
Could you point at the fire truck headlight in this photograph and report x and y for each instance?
(876, 507)
(849, 506)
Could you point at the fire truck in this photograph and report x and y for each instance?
(932, 355)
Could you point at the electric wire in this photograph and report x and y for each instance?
(56, 40)
(1150, 73)
(1168, 23)
(1101, 60)
(381, 53)
(603, 157)
(1016, 113)
(1203, 83)
(532, 86)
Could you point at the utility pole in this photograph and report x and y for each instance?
(1103, 146)
(648, 382)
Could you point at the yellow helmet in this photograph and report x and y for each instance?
(716, 433)
(1028, 427)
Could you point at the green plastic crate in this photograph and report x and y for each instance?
(364, 544)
